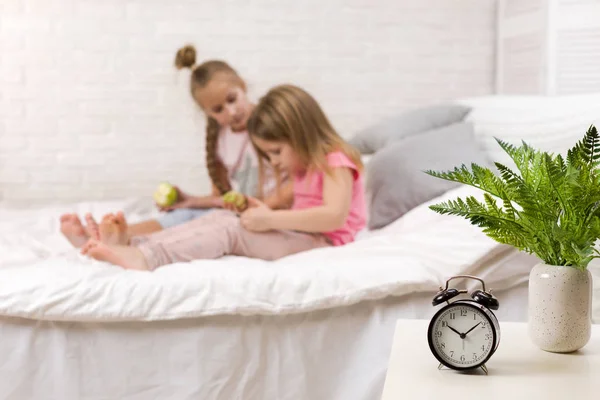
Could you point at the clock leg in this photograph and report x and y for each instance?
(440, 366)
(484, 368)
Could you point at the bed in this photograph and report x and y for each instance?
(316, 325)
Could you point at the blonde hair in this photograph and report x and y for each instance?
(291, 115)
(201, 75)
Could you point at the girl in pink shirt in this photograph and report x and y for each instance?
(290, 131)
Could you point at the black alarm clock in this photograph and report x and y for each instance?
(464, 334)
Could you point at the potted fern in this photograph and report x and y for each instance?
(549, 206)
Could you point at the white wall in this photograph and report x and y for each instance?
(548, 47)
(521, 46)
(91, 106)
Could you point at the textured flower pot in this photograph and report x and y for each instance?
(560, 308)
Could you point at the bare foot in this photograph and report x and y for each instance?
(124, 256)
(113, 229)
(92, 227)
(72, 228)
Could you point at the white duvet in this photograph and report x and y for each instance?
(41, 277)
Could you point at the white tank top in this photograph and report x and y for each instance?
(236, 152)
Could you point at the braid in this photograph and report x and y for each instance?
(201, 75)
(216, 169)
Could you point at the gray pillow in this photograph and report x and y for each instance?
(376, 137)
(395, 179)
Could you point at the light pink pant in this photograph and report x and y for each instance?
(217, 234)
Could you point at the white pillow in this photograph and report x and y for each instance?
(549, 123)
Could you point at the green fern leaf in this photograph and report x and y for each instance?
(549, 206)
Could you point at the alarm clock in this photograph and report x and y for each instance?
(464, 334)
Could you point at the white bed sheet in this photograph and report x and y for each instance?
(42, 278)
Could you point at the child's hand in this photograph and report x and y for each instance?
(257, 217)
(234, 201)
(253, 202)
(184, 200)
(234, 208)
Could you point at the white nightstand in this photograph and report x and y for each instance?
(518, 369)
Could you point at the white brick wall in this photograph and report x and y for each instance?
(91, 106)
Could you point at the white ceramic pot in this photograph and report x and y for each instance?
(560, 308)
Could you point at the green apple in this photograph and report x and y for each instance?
(235, 198)
(165, 195)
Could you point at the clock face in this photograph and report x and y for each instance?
(462, 336)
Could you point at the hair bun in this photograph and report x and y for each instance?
(185, 57)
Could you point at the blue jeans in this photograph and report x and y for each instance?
(181, 216)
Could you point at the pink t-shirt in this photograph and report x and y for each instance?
(308, 193)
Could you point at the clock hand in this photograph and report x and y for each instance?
(457, 332)
(467, 332)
